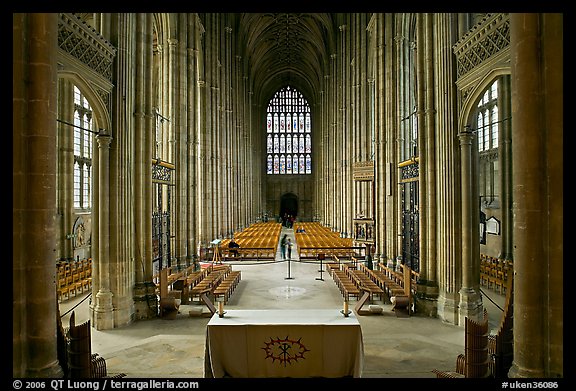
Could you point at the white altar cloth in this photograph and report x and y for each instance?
(284, 343)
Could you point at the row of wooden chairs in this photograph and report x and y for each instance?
(391, 281)
(65, 269)
(317, 238)
(363, 281)
(346, 286)
(259, 241)
(216, 273)
(73, 281)
(494, 273)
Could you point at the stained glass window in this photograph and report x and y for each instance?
(288, 132)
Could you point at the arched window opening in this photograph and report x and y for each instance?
(82, 151)
(487, 119)
(487, 127)
(288, 134)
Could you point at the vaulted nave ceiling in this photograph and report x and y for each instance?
(287, 48)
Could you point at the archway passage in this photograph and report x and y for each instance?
(288, 206)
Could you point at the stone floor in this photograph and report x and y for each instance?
(394, 347)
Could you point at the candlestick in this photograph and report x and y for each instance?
(221, 309)
(345, 310)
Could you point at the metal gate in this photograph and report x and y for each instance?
(410, 215)
(161, 215)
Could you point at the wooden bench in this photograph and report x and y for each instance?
(227, 285)
(367, 284)
(251, 253)
(389, 280)
(345, 284)
(330, 267)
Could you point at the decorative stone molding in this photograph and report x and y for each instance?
(484, 41)
(84, 43)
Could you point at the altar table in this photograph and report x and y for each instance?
(283, 343)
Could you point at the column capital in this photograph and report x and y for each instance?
(104, 139)
(465, 136)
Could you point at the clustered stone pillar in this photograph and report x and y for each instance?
(442, 272)
(34, 195)
(537, 175)
(143, 118)
(505, 168)
(66, 166)
(103, 318)
(470, 301)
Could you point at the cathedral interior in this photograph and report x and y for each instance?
(428, 146)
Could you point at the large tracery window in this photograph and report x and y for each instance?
(82, 151)
(487, 119)
(288, 134)
(487, 124)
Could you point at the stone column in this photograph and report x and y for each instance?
(388, 91)
(333, 137)
(192, 146)
(428, 258)
(201, 99)
(179, 135)
(443, 272)
(149, 124)
(211, 161)
(103, 318)
(34, 302)
(470, 301)
(537, 170)
(144, 125)
(422, 88)
(505, 168)
(66, 167)
(323, 147)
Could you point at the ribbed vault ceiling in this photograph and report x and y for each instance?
(286, 48)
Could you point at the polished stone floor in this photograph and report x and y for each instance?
(394, 347)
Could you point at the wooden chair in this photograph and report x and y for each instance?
(86, 284)
(77, 283)
(63, 289)
(71, 286)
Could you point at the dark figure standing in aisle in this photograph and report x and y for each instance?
(283, 246)
(289, 246)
